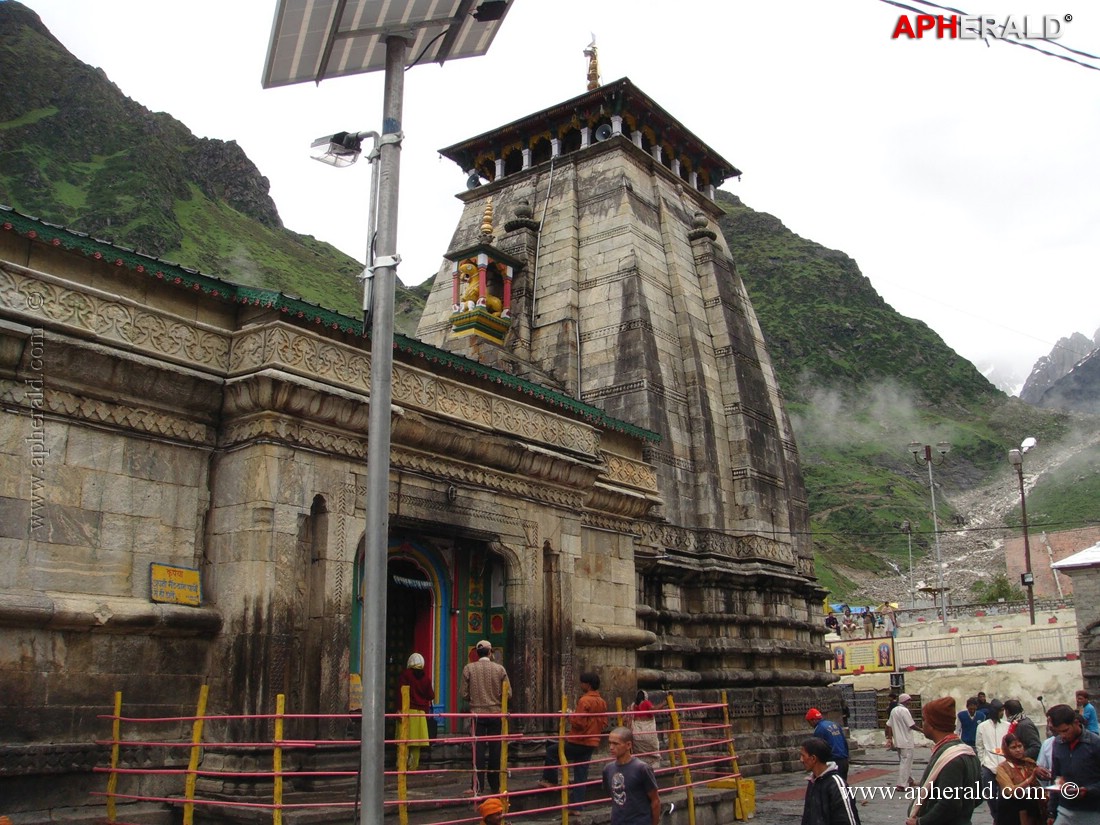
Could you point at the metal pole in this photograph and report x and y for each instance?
(1027, 545)
(936, 533)
(376, 539)
(912, 584)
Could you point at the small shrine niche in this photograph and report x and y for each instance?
(481, 286)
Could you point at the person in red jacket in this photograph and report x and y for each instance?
(421, 696)
(586, 726)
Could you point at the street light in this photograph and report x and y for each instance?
(1027, 579)
(342, 150)
(907, 528)
(923, 452)
(311, 41)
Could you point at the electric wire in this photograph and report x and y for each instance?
(424, 51)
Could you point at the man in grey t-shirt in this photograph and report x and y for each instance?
(630, 783)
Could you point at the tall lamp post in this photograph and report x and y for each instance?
(923, 453)
(1016, 458)
(311, 41)
(907, 528)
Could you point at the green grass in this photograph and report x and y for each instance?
(1066, 498)
(27, 118)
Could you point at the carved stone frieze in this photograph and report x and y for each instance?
(490, 519)
(531, 533)
(714, 543)
(92, 410)
(743, 473)
(604, 521)
(271, 391)
(463, 473)
(618, 330)
(112, 318)
(282, 347)
(629, 472)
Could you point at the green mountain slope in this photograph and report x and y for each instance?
(75, 151)
(862, 382)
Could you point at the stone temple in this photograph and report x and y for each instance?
(626, 299)
(591, 466)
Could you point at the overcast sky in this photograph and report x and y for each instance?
(962, 177)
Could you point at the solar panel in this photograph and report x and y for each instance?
(312, 40)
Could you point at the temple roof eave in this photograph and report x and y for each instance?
(619, 94)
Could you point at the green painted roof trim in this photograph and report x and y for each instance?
(593, 415)
(192, 279)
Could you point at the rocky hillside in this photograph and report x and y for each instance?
(1079, 389)
(76, 151)
(1051, 368)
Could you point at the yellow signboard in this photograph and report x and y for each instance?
(863, 656)
(174, 585)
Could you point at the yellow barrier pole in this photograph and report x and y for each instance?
(112, 780)
(563, 763)
(619, 711)
(685, 770)
(403, 758)
(738, 809)
(277, 761)
(504, 750)
(193, 762)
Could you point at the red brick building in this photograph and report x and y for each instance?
(1047, 548)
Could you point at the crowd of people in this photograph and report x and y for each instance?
(990, 752)
(873, 622)
(990, 745)
(628, 779)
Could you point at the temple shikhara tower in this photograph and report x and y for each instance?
(593, 266)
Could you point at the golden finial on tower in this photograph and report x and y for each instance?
(593, 65)
(487, 219)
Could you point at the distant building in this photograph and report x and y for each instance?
(1084, 568)
(1047, 548)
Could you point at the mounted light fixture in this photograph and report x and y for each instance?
(341, 149)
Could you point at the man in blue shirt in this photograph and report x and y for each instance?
(967, 725)
(1087, 711)
(833, 736)
(1075, 765)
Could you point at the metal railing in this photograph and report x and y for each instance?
(1028, 644)
(282, 771)
(931, 613)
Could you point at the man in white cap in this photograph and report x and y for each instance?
(901, 727)
(484, 685)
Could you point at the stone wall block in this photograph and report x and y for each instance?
(97, 450)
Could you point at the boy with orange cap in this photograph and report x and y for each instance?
(492, 811)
